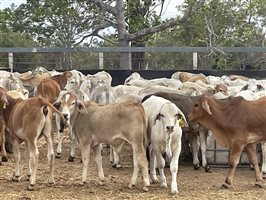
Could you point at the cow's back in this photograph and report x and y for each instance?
(109, 122)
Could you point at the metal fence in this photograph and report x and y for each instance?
(163, 58)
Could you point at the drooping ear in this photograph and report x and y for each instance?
(4, 100)
(206, 107)
(158, 117)
(260, 87)
(81, 107)
(57, 105)
(244, 88)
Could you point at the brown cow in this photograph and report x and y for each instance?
(27, 120)
(50, 88)
(237, 124)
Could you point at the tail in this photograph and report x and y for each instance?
(46, 103)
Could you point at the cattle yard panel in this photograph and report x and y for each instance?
(166, 58)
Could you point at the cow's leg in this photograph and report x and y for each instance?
(16, 175)
(98, 160)
(73, 145)
(116, 152)
(263, 167)
(153, 175)
(34, 154)
(59, 144)
(112, 159)
(85, 154)
(59, 137)
(174, 168)
(2, 142)
(203, 146)
(252, 156)
(143, 164)
(160, 164)
(29, 170)
(135, 167)
(50, 156)
(235, 153)
(195, 151)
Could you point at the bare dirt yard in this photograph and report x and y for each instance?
(192, 184)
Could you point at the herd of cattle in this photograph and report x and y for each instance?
(156, 117)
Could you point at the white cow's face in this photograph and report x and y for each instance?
(169, 117)
(73, 83)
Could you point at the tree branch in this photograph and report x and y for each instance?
(105, 6)
(94, 32)
(168, 24)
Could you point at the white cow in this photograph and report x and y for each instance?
(164, 119)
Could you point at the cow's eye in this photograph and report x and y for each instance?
(161, 115)
(196, 105)
(73, 103)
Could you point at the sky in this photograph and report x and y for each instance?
(168, 12)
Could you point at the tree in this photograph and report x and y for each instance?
(118, 18)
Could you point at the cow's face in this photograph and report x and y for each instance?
(67, 104)
(171, 117)
(86, 86)
(72, 83)
(200, 109)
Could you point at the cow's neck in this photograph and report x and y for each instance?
(8, 108)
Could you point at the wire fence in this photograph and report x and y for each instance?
(157, 58)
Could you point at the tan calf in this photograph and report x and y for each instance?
(111, 124)
(28, 120)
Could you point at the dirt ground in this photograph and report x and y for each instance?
(192, 184)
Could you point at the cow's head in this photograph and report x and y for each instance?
(68, 104)
(171, 117)
(73, 83)
(200, 109)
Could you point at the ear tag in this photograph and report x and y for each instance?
(181, 122)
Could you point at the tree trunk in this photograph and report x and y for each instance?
(122, 35)
(138, 57)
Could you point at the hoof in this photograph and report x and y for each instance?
(174, 192)
(263, 175)
(155, 180)
(226, 186)
(71, 159)
(164, 185)
(28, 177)
(131, 186)
(16, 178)
(82, 183)
(58, 155)
(208, 169)
(4, 159)
(196, 167)
(259, 185)
(101, 182)
(116, 166)
(146, 188)
(31, 187)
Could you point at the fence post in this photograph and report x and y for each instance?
(100, 60)
(195, 60)
(10, 62)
